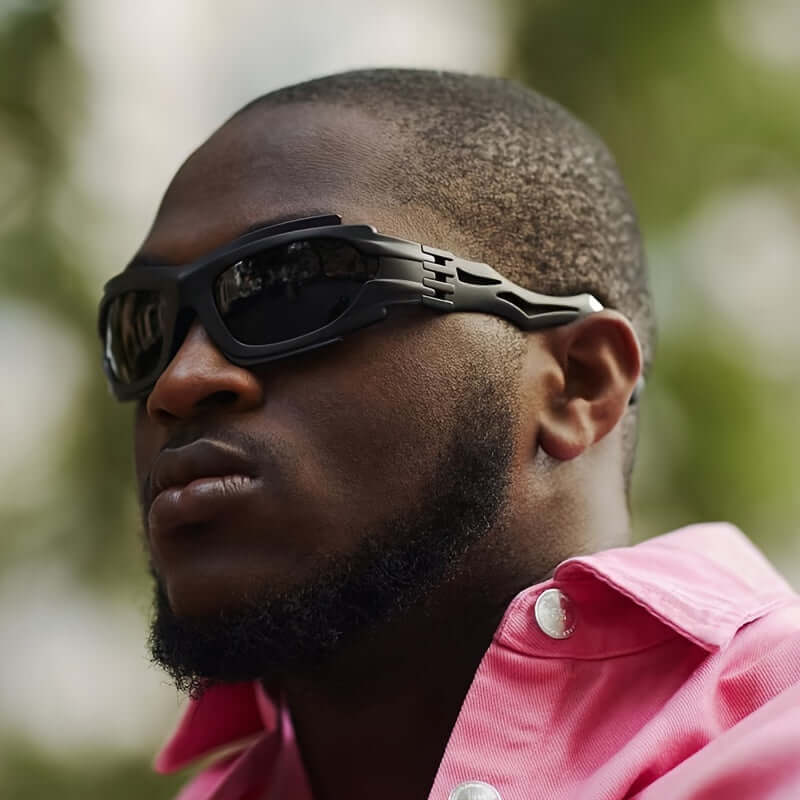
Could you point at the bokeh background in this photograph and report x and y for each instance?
(101, 101)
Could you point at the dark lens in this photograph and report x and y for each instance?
(288, 291)
(134, 335)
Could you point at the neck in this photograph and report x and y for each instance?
(376, 722)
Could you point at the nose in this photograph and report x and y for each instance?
(199, 378)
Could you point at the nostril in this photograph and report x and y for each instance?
(220, 398)
(162, 416)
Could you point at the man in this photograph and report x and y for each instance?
(386, 341)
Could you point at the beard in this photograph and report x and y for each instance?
(296, 631)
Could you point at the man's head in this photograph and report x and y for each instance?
(431, 455)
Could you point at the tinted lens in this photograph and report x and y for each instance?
(134, 334)
(288, 291)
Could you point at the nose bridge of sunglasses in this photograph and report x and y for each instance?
(187, 317)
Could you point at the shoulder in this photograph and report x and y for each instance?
(756, 759)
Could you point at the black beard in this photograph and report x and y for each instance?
(296, 631)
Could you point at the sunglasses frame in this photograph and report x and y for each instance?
(407, 273)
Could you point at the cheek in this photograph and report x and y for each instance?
(379, 428)
(383, 452)
(361, 459)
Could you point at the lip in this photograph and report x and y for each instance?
(200, 459)
(189, 482)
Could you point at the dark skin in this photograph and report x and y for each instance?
(353, 431)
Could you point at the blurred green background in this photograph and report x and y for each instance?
(100, 102)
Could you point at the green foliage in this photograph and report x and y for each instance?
(40, 88)
(26, 774)
(88, 517)
(681, 110)
(721, 437)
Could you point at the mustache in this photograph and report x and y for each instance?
(268, 450)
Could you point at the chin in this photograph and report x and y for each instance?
(199, 596)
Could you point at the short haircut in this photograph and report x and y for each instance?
(534, 191)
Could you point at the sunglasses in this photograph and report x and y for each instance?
(293, 287)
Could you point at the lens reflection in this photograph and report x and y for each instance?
(134, 334)
(288, 291)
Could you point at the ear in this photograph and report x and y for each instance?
(599, 360)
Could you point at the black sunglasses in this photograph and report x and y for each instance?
(293, 287)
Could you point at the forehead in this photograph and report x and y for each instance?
(284, 163)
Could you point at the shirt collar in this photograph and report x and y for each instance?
(702, 582)
(222, 717)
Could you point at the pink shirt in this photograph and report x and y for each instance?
(665, 671)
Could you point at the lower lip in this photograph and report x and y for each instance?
(199, 501)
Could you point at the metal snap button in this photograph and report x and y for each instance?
(555, 614)
(475, 790)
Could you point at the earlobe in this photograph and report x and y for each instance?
(600, 362)
(566, 431)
